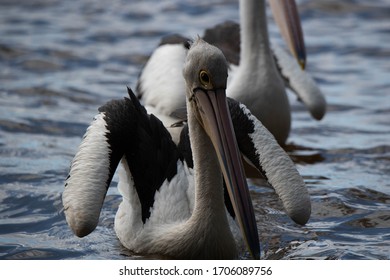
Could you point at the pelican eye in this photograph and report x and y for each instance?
(204, 78)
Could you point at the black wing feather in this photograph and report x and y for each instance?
(242, 128)
(146, 144)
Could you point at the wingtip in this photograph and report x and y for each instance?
(280, 171)
(134, 99)
(296, 203)
(301, 216)
(82, 223)
(130, 92)
(81, 214)
(319, 110)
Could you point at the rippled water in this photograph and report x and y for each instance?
(61, 60)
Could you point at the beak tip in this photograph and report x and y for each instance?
(300, 55)
(256, 256)
(254, 246)
(302, 63)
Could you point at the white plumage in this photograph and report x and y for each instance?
(90, 162)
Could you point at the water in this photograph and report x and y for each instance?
(61, 60)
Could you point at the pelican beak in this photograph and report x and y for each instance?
(287, 18)
(216, 120)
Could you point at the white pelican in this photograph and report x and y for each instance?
(169, 208)
(258, 82)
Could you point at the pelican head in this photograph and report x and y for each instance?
(287, 18)
(205, 72)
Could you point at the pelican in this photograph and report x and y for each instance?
(172, 207)
(258, 81)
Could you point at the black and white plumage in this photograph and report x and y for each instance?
(169, 208)
(259, 79)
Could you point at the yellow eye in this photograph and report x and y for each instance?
(204, 78)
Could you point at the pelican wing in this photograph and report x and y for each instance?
(122, 129)
(90, 175)
(300, 82)
(258, 145)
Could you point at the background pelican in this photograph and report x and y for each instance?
(257, 81)
(168, 208)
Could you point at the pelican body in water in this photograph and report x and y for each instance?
(173, 196)
(258, 81)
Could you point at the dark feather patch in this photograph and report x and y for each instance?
(242, 128)
(148, 147)
(225, 36)
(175, 39)
(119, 122)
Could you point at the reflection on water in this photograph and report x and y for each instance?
(60, 60)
